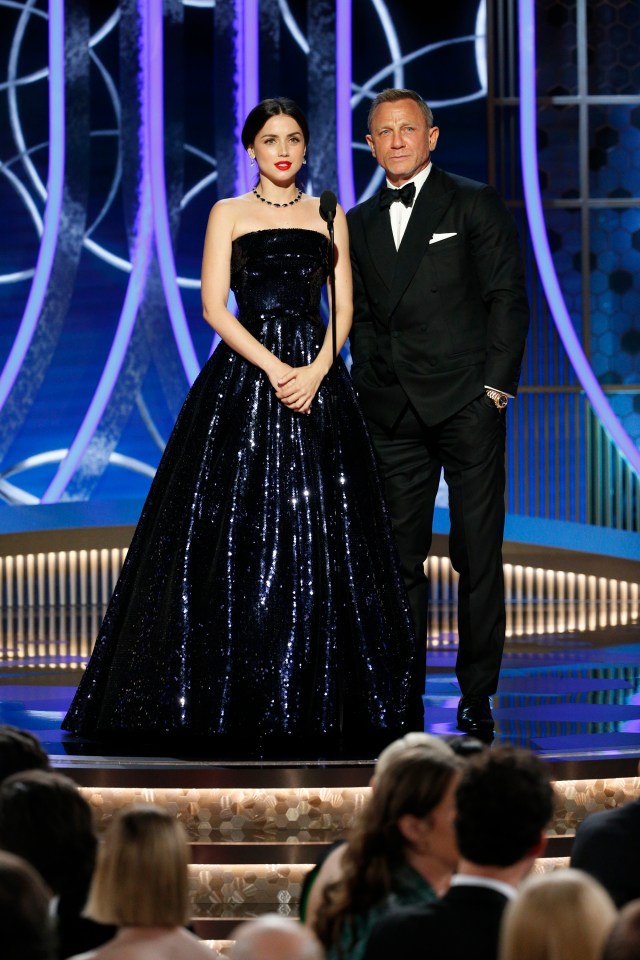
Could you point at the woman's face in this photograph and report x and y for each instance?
(279, 149)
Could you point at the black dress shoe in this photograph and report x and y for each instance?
(474, 717)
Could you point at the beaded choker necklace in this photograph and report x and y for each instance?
(272, 204)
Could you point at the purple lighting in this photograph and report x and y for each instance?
(55, 185)
(548, 276)
(247, 54)
(343, 104)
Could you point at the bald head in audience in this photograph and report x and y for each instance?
(273, 937)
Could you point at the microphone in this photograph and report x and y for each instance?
(328, 203)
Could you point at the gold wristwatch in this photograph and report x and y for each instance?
(499, 399)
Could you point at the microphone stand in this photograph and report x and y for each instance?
(334, 371)
(329, 215)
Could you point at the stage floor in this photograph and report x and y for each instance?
(569, 687)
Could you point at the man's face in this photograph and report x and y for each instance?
(400, 140)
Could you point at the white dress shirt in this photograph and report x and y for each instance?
(467, 880)
(400, 214)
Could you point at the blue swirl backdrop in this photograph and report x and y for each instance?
(144, 102)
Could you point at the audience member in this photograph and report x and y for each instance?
(623, 942)
(607, 845)
(272, 937)
(328, 869)
(504, 806)
(20, 750)
(141, 886)
(46, 820)
(402, 849)
(25, 927)
(565, 915)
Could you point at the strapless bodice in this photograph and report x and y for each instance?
(278, 272)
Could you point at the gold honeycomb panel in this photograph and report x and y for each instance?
(305, 815)
(576, 799)
(239, 816)
(244, 891)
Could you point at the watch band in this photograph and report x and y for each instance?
(499, 399)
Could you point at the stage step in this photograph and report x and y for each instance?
(254, 831)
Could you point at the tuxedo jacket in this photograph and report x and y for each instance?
(607, 845)
(445, 314)
(463, 925)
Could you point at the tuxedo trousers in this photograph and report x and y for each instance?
(469, 447)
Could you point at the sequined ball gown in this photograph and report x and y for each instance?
(260, 610)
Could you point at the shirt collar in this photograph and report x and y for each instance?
(466, 880)
(419, 179)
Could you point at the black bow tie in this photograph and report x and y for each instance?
(406, 194)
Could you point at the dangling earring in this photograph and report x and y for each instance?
(304, 159)
(253, 161)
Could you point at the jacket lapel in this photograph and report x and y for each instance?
(379, 236)
(429, 208)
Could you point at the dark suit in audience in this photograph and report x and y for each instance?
(607, 845)
(504, 805)
(465, 923)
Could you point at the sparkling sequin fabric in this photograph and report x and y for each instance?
(260, 605)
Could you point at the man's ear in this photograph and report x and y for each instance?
(369, 140)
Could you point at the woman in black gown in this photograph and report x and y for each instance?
(260, 611)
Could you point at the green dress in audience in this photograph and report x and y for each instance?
(409, 889)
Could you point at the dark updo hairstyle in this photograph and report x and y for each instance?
(266, 109)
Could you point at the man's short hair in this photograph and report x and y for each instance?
(20, 750)
(393, 95)
(504, 801)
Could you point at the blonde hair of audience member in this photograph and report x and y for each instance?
(564, 915)
(141, 885)
(272, 937)
(25, 924)
(408, 821)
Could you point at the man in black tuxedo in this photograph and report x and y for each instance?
(607, 845)
(504, 807)
(440, 322)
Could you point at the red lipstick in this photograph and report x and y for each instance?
(283, 164)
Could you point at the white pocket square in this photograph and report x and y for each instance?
(437, 237)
